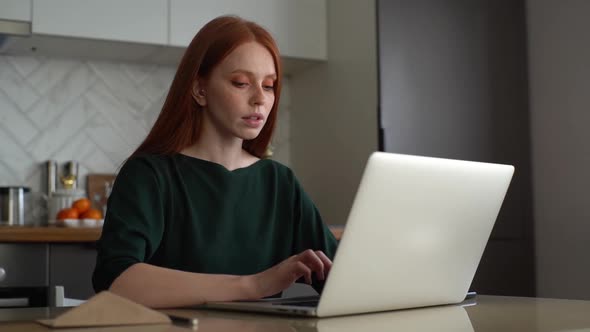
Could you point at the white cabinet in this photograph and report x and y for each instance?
(156, 30)
(299, 26)
(138, 21)
(15, 10)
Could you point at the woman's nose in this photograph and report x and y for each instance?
(258, 96)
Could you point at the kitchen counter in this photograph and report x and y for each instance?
(49, 234)
(71, 234)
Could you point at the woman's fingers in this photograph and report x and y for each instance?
(325, 260)
(303, 270)
(314, 262)
(284, 274)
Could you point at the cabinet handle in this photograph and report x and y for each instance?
(2, 274)
(15, 302)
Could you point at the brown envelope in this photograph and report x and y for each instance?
(106, 309)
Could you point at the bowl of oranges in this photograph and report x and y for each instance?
(79, 214)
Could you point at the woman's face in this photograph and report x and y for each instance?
(239, 93)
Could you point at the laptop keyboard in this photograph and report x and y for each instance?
(299, 303)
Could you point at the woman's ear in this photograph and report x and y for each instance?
(199, 94)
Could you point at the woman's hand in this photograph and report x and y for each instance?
(284, 274)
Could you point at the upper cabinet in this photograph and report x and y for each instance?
(137, 21)
(15, 18)
(299, 26)
(15, 10)
(155, 30)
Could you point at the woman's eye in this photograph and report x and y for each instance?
(268, 87)
(239, 84)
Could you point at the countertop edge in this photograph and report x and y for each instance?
(55, 234)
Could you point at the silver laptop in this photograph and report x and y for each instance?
(414, 237)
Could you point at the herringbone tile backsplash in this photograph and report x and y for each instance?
(93, 112)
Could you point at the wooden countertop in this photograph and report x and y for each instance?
(49, 234)
(71, 234)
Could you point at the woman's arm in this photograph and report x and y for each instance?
(159, 287)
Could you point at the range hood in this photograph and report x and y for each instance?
(16, 38)
(13, 29)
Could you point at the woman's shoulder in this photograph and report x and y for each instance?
(149, 158)
(282, 171)
(280, 167)
(141, 164)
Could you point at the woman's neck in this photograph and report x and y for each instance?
(228, 152)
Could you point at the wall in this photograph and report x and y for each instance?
(334, 117)
(90, 111)
(559, 51)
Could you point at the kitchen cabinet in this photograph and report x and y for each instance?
(30, 271)
(137, 21)
(155, 31)
(299, 27)
(23, 265)
(15, 10)
(45, 257)
(23, 274)
(71, 266)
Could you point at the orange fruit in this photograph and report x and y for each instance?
(82, 205)
(67, 213)
(91, 214)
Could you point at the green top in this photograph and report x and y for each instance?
(195, 215)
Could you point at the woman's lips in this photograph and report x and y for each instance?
(253, 121)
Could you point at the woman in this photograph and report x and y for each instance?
(197, 213)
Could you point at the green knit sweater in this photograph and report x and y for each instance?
(194, 215)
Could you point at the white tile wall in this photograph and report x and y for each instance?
(90, 111)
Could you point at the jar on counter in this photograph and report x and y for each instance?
(60, 199)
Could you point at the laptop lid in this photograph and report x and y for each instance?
(415, 234)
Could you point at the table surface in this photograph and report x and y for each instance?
(484, 313)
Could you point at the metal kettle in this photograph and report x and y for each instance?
(12, 205)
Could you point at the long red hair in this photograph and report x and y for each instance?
(178, 124)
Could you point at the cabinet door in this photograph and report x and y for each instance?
(23, 265)
(71, 266)
(140, 21)
(299, 27)
(15, 10)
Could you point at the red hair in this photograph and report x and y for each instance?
(178, 124)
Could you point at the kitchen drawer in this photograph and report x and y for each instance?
(24, 265)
